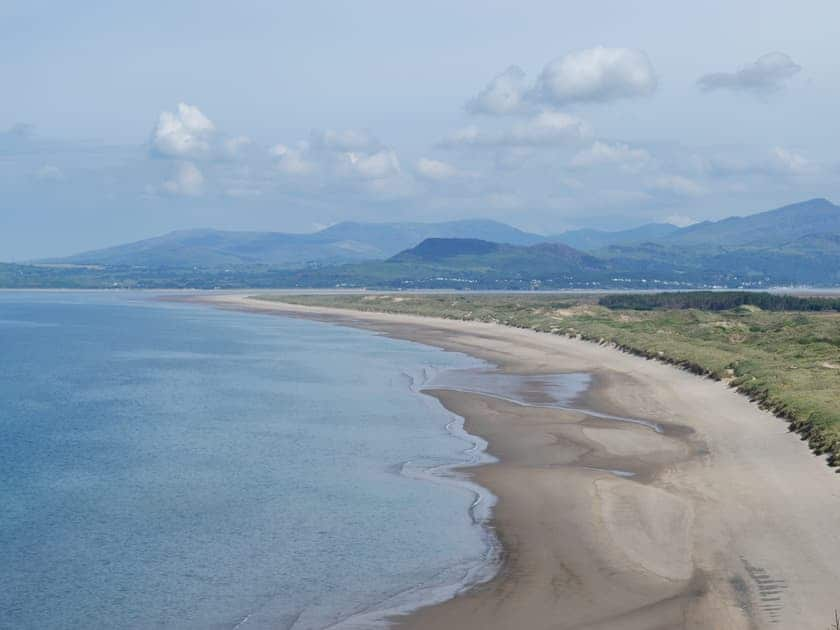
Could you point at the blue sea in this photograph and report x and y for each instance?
(167, 465)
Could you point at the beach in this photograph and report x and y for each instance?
(712, 515)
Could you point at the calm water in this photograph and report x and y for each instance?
(172, 466)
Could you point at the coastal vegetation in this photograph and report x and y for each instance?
(718, 301)
(788, 361)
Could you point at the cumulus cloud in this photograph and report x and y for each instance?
(548, 128)
(377, 165)
(347, 154)
(591, 75)
(186, 133)
(595, 75)
(187, 181)
(790, 162)
(603, 153)
(293, 160)
(765, 75)
(503, 95)
(435, 169)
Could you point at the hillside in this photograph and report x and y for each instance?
(462, 254)
(340, 243)
(440, 249)
(590, 240)
(765, 229)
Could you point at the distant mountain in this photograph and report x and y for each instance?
(394, 237)
(340, 243)
(765, 229)
(475, 255)
(591, 240)
(794, 245)
(440, 249)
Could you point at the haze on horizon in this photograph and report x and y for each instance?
(122, 122)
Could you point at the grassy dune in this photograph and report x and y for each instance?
(788, 362)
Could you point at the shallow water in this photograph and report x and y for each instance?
(550, 390)
(559, 391)
(172, 466)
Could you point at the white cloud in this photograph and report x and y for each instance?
(326, 154)
(503, 95)
(185, 134)
(187, 181)
(595, 75)
(293, 161)
(435, 169)
(765, 75)
(547, 128)
(790, 162)
(622, 155)
(377, 165)
(678, 185)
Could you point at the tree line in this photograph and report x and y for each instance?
(718, 301)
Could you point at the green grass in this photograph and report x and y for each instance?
(788, 362)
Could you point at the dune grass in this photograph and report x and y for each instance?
(788, 362)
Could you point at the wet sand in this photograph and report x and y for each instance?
(728, 520)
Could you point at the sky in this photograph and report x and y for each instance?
(121, 121)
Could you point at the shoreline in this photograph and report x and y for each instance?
(474, 574)
(724, 524)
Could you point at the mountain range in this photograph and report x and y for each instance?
(340, 243)
(795, 244)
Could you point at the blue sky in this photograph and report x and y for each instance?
(120, 121)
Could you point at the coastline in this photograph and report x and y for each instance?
(726, 522)
(459, 578)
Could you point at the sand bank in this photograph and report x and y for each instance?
(728, 520)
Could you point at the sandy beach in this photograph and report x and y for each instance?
(728, 520)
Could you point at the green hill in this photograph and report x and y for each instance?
(465, 254)
(765, 229)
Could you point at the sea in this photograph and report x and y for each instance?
(170, 465)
